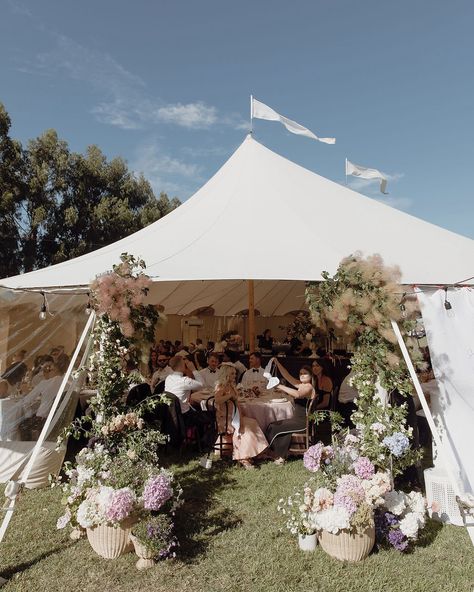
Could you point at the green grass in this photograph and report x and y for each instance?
(230, 541)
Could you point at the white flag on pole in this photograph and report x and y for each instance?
(262, 111)
(365, 173)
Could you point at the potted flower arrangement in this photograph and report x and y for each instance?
(297, 511)
(153, 539)
(352, 498)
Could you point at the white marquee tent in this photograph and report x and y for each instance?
(265, 218)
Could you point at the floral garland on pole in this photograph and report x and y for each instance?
(362, 299)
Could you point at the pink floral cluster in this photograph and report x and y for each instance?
(115, 295)
(157, 491)
(122, 504)
(122, 422)
(349, 493)
(363, 468)
(315, 455)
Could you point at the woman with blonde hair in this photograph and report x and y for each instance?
(248, 440)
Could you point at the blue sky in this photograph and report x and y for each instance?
(166, 85)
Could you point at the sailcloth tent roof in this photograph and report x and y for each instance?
(264, 217)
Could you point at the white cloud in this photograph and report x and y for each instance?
(371, 188)
(164, 172)
(193, 115)
(18, 8)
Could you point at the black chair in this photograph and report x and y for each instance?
(174, 425)
(223, 445)
(322, 432)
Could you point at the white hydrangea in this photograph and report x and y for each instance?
(409, 525)
(395, 502)
(416, 502)
(83, 475)
(104, 498)
(375, 488)
(87, 515)
(333, 520)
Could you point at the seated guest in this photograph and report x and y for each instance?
(152, 361)
(265, 341)
(295, 344)
(162, 371)
(209, 374)
(44, 392)
(248, 440)
(345, 400)
(233, 358)
(200, 345)
(253, 377)
(181, 382)
(309, 386)
(17, 369)
(4, 388)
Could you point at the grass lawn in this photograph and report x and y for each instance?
(230, 540)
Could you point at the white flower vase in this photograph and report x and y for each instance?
(307, 542)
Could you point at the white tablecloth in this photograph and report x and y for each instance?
(265, 411)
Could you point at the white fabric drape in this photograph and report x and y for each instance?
(450, 336)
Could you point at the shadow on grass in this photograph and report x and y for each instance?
(429, 534)
(9, 572)
(202, 516)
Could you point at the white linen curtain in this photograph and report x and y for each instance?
(450, 336)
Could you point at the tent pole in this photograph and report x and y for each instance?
(251, 332)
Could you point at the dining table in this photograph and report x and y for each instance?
(269, 406)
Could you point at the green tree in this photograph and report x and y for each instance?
(12, 187)
(57, 204)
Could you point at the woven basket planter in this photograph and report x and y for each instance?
(145, 556)
(111, 541)
(348, 547)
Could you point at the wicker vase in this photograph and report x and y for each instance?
(145, 556)
(348, 547)
(111, 541)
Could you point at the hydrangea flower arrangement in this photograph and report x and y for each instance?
(400, 518)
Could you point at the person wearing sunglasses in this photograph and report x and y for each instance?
(163, 370)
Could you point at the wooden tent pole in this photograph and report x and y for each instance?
(251, 310)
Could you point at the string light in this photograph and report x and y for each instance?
(42, 314)
(447, 304)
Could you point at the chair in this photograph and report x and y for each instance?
(222, 423)
(302, 440)
(174, 427)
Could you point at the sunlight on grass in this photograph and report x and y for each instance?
(230, 540)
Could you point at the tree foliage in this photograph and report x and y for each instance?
(56, 204)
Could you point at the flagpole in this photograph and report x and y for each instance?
(345, 170)
(251, 114)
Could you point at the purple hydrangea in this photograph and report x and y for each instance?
(122, 504)
(397, 443)
(157, 491)
(397, 539)
(363, 468)
(312, 457)
(349, 493)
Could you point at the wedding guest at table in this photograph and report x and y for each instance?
(152, 361)
(345, 400)
(35, 373)
(265, 341)
(232, 357)
(163, 370)
(200, 345)
(209, 374)
(60, 357)
(253, 378)
(312, 384)
(4, 388)
(248, 440)
(43, 393)
(17, 369)
(183, 380)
